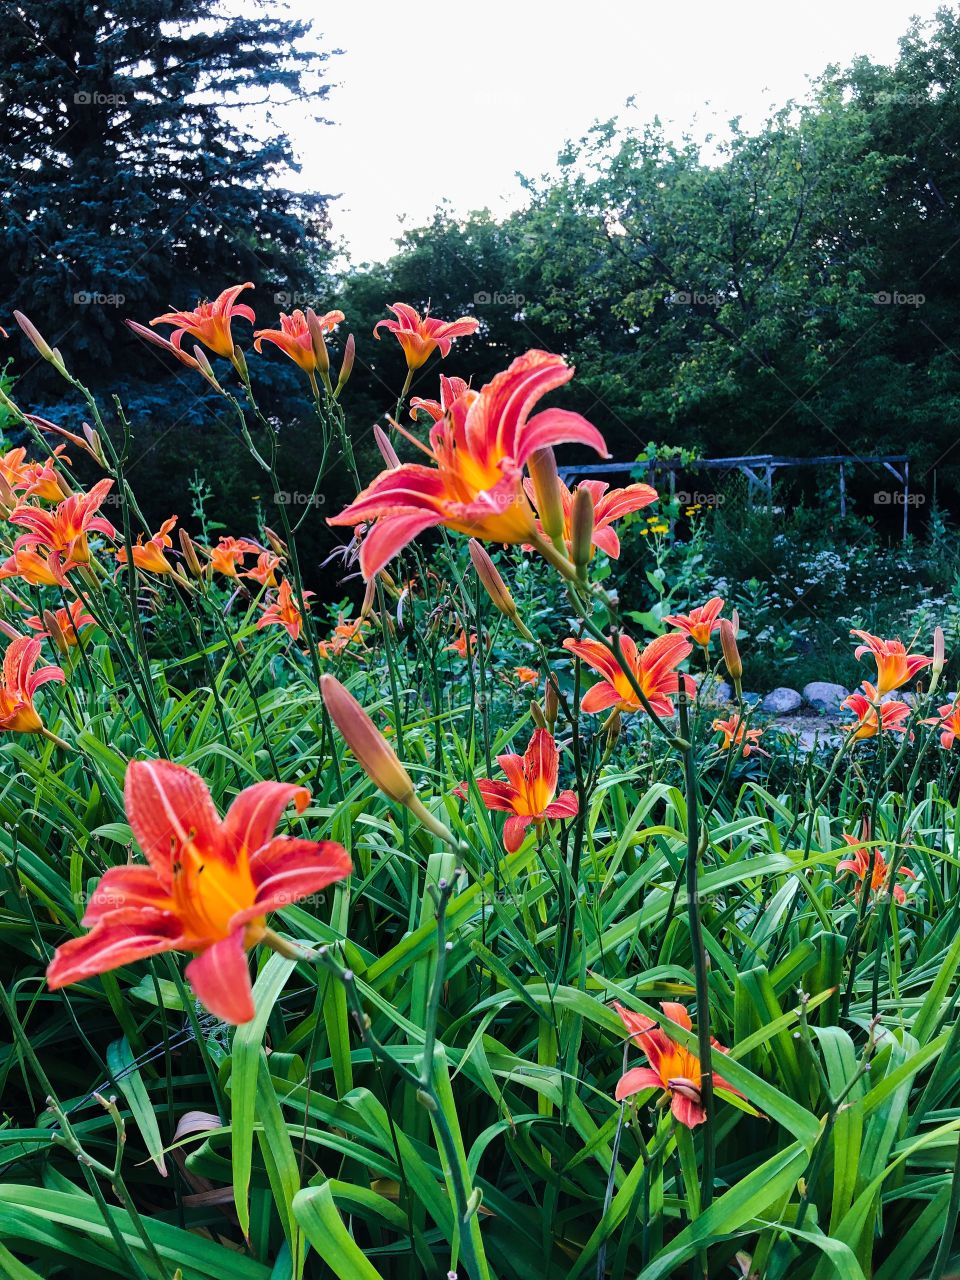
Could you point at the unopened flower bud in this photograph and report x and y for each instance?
(385, 447)
(375, 755)
(240, 363)
(319, 342)
(939, 657)
(551, 704)
(536, 711)
(190, 557)
(55, 631)
(731, 654)
(8, 499)
(206, 368)
(495, 587)
(581, 527)
(277, 545)
(33, 334)
(542, 465)
(346, 367)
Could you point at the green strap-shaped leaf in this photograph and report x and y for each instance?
(322, 1225)
(123, 1068)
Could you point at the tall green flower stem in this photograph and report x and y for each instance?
(695, 848)
(429, 1092)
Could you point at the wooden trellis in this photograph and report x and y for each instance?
(759, 470)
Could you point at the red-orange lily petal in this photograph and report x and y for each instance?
(284, 612)
(151, 557)
(20, 684)
(653, 668)
(734, 732)
(419, 338)
(69, 621)
(700, 623)
(207, 886)
(672, 1068)
(863, 705)
(60, 532)
(861, 862)
(895, 667)
(210, 322)
(529, 791)
(478, 450)
(607, 507)
(451, 389)
(294, 338)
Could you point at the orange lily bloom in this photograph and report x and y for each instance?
(526, 675)
(293, 337)
(672, 1068)
(420, 338)
(62, 530)
(464, 646)
(68, 620)
(284, 612)
(894, 665)
(210, 322)
(607, 507)
(40, 479)
(265, 570)
(208, 886)
(528, 794)
(230, 552)
(451, 389)
(863, 706)
(151, 557)
(653, 668)
(21, 682)
(860, 864)
(31, 567)
(479, 450)
(733, 734)
(344, 634)
(700, 623)
(12, 466)
(949, 722)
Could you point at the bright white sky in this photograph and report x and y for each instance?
(450, 98)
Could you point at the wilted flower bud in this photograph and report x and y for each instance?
(190, 557)
(731, 654)
(542, 465)
(385, 447)
(375, 755)
(346, 367)
(581, 527)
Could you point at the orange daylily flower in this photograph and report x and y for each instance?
(294, 339)
(31, 567)
(344, 634)
(894, 665)
(68, 620)
(948, 720)
(265, 570)
(451, 389)
(672, 1068)
(528, 794)
(863, 706)
(700, 623)
(229, 553)
(21, 682)
(151, 557)
(859, 865)
(653, 668)
(526, 675)
(479, 450)
(41, 480)
(733, 734)
(12, 464)
(62, 531)
(284, 612)
(420, 338)
(464, 646)
(607, 507)
(208, 886)
(210, 322)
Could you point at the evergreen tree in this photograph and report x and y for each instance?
(126, 171)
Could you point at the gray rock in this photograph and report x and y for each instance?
(823, 696)
(781, 701)
(716, 693)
